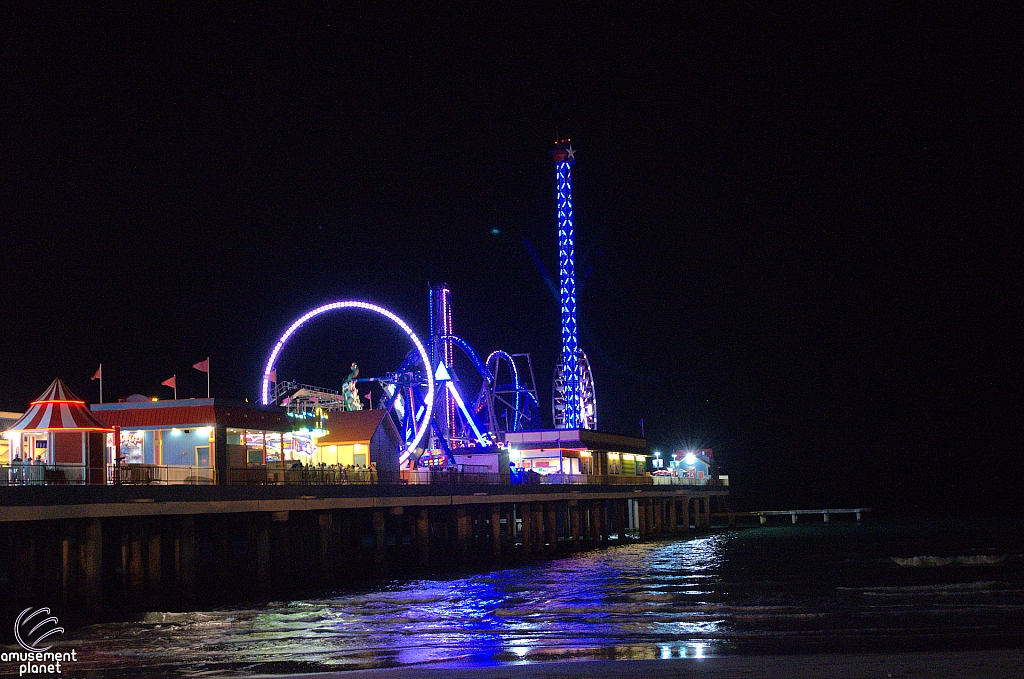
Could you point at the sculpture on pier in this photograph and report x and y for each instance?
(350, 392)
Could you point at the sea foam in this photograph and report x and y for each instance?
(935, 561)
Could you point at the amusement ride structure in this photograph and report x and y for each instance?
(425, 395)
(573, 401)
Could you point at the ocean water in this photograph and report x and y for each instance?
(876, 586)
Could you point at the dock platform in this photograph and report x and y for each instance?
(792, 513)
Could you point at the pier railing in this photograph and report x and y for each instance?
(316, 476)
(159, 475)
(166, 475)
(41, 474)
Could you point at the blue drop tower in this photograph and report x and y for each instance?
(563, 155)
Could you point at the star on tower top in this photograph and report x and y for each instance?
(570, 153)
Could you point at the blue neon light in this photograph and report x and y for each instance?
(567, 280)
(465, 412)
(515, 381)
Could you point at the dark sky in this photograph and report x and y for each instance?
(798, 231)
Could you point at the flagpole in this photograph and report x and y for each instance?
(175, 386)
(207, 377)
(101, 383)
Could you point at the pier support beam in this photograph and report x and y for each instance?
(423, 537)
(574, 522)
(620, 518)
(185, 560)
(346, 532)
(462, 533)
(154, 557)
(136, 579)
(495, 531)
(65, 567)
(594, 514)
(537, 521)
(526, 532)
(326, 529)
(603, 522)
(550, 526)
(261, 526)
(50, 548)
(380, 541)
(93, 565)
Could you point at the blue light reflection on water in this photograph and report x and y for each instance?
(613, 603)
(787, 589)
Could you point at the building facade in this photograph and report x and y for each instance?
(195, 440)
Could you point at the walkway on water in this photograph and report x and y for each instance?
(110, 549)
(792, 513)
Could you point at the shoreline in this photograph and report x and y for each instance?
(987, 664)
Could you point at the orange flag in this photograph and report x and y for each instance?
(171, 382)
(202, 366)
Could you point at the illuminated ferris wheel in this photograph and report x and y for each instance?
(419, 385)
(587, 396)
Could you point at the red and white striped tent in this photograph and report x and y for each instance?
(58, 410)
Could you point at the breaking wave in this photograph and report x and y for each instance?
(937, 561)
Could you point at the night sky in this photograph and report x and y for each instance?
(797, 231)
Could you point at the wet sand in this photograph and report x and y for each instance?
(1001, 664)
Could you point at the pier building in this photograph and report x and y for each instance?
(194, 441)
(579, 453)
(693, 464)
(6, 421)
(359, 438)
(57, 440)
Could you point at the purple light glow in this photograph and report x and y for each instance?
(351, 304)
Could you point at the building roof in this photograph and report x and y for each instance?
(7, 419)
(193, 412)
(576, 438)
(57, 409)
(354, 426)
(703, 456)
